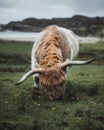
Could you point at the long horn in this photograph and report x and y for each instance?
(28, 74)
(70, 63)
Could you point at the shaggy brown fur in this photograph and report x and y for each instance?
(50, 55)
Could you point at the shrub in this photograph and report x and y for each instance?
(70, 91)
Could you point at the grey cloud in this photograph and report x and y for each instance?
(20, 9)
(90, 5)
(7, 3)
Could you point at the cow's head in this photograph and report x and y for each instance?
(53, 78)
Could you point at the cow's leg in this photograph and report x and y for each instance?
(36, 84)
(34, 64)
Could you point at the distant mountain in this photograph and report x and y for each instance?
(81, 25)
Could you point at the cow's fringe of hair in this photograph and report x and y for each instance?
(53, 79)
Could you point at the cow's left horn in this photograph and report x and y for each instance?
(28, 74)
(70, 63)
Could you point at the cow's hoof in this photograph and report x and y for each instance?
(35, 93)
(35, 90)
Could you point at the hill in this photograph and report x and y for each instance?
(81, 25)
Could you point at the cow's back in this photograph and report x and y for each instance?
(69, 44)
(70, 41)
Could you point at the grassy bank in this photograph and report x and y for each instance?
(83, 103)
(12, 52)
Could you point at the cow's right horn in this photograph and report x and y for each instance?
(28, 74)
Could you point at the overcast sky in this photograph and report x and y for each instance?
(21, 9)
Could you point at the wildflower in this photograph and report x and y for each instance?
(16, 95)
(39, 96)
(35, 103)
(54, 108)
(6, 102)
(101, 104)
(38, 105)
(29, 95)
(77, 98)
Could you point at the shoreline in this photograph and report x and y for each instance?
(86, 40)
(31, 36)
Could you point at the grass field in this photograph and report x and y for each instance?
(82, 107)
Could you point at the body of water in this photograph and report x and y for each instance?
(18, 36)
(31, 36)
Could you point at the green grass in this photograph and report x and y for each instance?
(92, 50)
(81, 109)
(20, 52)
(24, 48)
(15, 47)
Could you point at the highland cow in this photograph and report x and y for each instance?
(54, 50)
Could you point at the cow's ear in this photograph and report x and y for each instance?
(68, 63)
